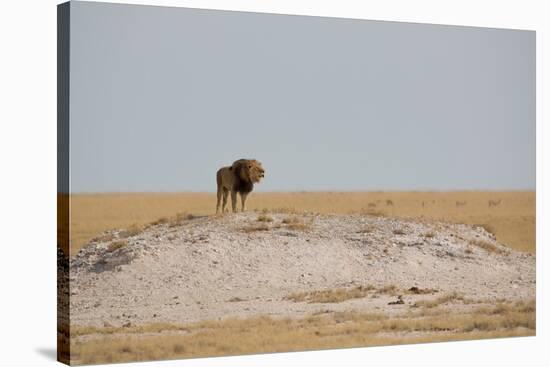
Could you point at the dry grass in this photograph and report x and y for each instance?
(131, 231)
(264, 218)
(291, 220)
(513, 221)
(136, 229)
(337, 295)
(299, 226)
(159, 221)
(504, 308)
(321, 331)
(447, 298)
(487, 246)
(282, 210)
(141, 329)
(105, 237)
(113, 246)
(295, 223)
(373, 212)
(331, 295)
(256, 228)
(489, 228)
(367, 229)
(236, 299)
(388, 289)
(416, 290)
(180, 218)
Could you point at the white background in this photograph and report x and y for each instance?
(28, 181)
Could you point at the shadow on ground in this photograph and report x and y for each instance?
(48, 353)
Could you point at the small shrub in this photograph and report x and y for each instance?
(290, 220)
(256, 228)
(133, 230)
(236, 299)
(487, 227)
(366, 229)
(416, 290)
(106, 237)
(388, 289)
(295, 223)
(185, 216)
(286, 210)
(162, 220)
(487, 246)
(298, 226)
(399, 231)
(264, 218)
(178, 348)
(180, 218)
(113, 246)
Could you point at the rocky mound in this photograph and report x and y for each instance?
(249, 264)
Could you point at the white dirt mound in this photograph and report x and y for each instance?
(237, 266)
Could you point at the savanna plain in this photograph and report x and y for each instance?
(508, 215)
(297, 271)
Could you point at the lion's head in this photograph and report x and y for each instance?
(249, 170)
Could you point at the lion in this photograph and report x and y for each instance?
(239, 178)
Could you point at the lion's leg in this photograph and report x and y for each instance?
(234, 200)
(225, 192)
(243, 200)
(219, 201)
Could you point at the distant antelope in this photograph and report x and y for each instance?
(494, 202)
(389, 203)
(460, 203)
(423, 204)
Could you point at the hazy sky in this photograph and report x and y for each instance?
(161, 97)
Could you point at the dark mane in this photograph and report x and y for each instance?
(240, 185)
(243, 186)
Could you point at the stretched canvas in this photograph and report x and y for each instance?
(236, 183)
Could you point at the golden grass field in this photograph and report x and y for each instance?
(512, 220)
(318, 331)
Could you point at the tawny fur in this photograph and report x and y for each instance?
(239, 178)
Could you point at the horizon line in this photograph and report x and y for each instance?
(301, 191)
